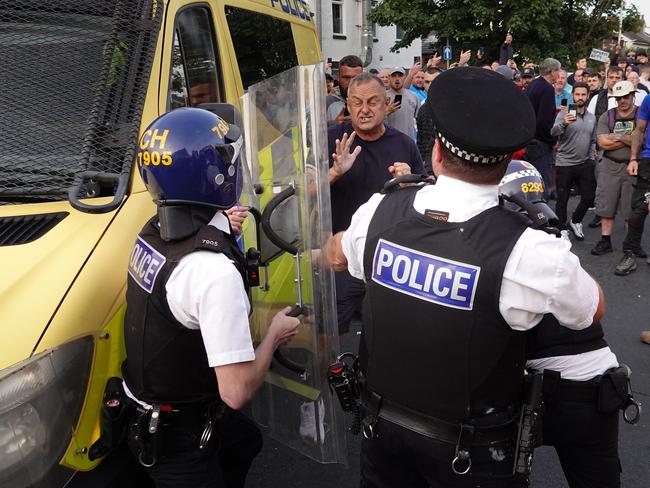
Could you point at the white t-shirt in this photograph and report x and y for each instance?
(205, 291)
(541, 275)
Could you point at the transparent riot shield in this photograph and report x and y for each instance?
(288, 192)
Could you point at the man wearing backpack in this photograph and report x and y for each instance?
(614, 184)
(639, 166)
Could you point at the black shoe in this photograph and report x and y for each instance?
(595, 222)
(602, 247)
(626, 265)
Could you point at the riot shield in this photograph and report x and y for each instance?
(288, 192)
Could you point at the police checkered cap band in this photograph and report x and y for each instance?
(469, 156)
(523, 173)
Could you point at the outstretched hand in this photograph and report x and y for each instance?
(343, 159)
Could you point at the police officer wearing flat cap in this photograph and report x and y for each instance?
(453, 282)
(190, 362)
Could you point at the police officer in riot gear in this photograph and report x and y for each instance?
(453, 281)
(190, 361)
(584, 387)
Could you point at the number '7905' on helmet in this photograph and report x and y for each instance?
(522, 188)
(190, 156)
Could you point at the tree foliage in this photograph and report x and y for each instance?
(563, 29)
(633, 21)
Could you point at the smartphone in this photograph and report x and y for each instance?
(564, 102)
(398, 99)
(417, 59)
(573, 109)
(329, 60)
(481, 51)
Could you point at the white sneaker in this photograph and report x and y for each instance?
(576, 228)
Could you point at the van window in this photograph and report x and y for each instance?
(264, 45)
(194, 69)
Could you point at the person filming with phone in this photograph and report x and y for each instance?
(405, 103)
(575, 129)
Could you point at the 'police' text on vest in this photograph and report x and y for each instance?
(423, 276)
(144, 264)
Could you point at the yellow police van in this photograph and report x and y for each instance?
(80, 80)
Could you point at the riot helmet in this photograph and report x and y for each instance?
(190, 156)
(522, 189)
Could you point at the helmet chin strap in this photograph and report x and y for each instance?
(181, 221)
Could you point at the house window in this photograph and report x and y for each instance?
(337, 17)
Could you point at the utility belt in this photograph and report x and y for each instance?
(144, 428)
(149, 426)
(609, 392)
(500, 444)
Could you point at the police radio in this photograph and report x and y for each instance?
(343, 380)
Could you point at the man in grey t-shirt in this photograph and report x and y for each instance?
(575, 129)
(403, 118)
(614, 184)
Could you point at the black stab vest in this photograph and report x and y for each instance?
(549, 339)
(433, 337)
(166, 362)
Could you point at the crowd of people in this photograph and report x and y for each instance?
(573, 140)
(588, 138)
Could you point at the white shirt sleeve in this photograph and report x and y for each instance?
(543, 276)
(205, 291)
(354, 239)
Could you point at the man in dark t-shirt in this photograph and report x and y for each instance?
(364, 154)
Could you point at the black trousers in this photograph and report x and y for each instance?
(639, 207)
(586, 441)
(583, 177)
(400, 458)
(223, 463)
(349, 297)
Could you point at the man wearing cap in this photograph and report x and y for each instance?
(527, 75)
(614, 184)
(639, 167)
(403, 118)
(453, 281)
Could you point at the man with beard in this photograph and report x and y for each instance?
(349, 67)
(575, 160)
(527, 75)
(403, 118)
(380, 152)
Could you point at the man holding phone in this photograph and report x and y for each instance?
(575, 129)
(405, 102)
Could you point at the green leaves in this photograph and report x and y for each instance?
(564, 29)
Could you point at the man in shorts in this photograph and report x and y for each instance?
(614, 184)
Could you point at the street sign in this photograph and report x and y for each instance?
(446, 53)
(599, 55)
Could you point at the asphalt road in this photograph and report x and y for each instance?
(628, 307)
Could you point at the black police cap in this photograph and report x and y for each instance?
(479, 115)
